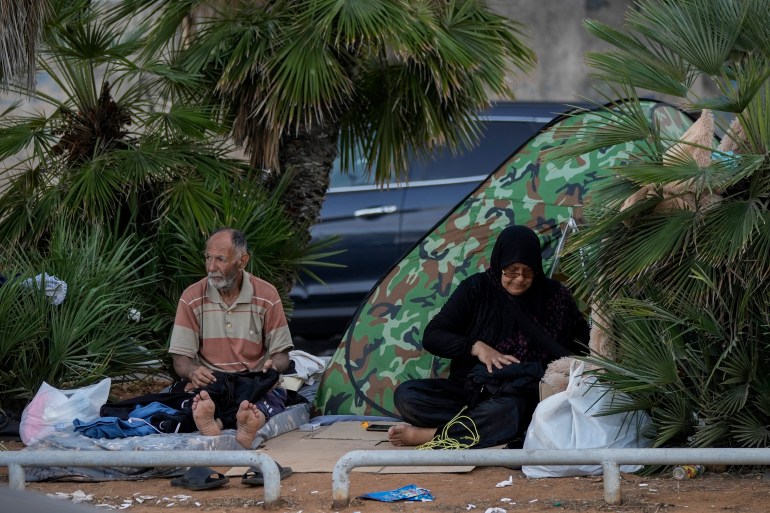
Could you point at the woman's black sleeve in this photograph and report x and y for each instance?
(446, 334)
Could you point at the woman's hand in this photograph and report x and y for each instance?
(490, 356)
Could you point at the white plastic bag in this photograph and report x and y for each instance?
(55, 288)
(567, 421)
(54, 410)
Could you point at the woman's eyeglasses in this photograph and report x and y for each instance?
(527, 274)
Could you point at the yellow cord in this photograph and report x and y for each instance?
(444, 441)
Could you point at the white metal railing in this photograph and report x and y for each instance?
(17, 460)
(609, 459)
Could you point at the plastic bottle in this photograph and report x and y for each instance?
(688, 471)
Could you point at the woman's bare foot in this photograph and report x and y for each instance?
(203, 409)
(249, 420)
(404, 434)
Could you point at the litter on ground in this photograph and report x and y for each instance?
(507, 482)
(406, 493)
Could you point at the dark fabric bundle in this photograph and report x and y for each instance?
(513, 379)
(232, 388)
(227, 392)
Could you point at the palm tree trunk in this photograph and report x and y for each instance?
(308, 154)
(22, 23)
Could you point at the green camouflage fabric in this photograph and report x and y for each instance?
(382, 346)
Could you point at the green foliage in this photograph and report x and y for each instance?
(299, 82)
(89, 335)
(118, 152)
(685, 288)
(395, 77)
(695, 374)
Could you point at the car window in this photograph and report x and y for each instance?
(352, 178)
(498, 141)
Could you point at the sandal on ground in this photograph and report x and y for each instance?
(200, 478)
(254, 477)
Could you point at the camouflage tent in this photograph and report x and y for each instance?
(382, 345)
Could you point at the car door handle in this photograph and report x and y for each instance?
(375, 211)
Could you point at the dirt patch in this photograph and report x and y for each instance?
(129, 389)
(473, 491)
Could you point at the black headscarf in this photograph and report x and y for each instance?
(517, 245)
(520, 245)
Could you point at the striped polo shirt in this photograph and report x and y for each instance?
(230, 338)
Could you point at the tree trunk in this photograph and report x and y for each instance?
(22, 23)
(309, 155)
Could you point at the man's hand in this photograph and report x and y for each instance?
(278, 361)
(490, 356)
(201, 376)
(198, 375)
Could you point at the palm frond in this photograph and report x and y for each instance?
(705, 31)
(640, 62)
(740, 83)
(188, 121)
(755, 31)
(674, 421)
(27, 135)
(731, 227)
(756, 122)
(89, 335)
(619, 122)
(686, 281)
(750, 430)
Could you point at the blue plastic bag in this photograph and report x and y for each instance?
(407, 493)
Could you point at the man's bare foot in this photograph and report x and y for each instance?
(249, 420)
(203, 409)
(404, 434)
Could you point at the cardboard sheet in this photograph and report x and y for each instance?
(319, 451)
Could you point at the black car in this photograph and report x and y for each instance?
(378, 225)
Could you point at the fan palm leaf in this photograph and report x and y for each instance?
(649, 66)
(687, 285)
(705, 35)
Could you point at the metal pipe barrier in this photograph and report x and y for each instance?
(609, 459)
(16, 460)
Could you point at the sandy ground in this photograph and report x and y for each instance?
(472, 491)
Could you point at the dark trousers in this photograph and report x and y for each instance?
(434, 402)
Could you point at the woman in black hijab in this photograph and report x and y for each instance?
(500, 329)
